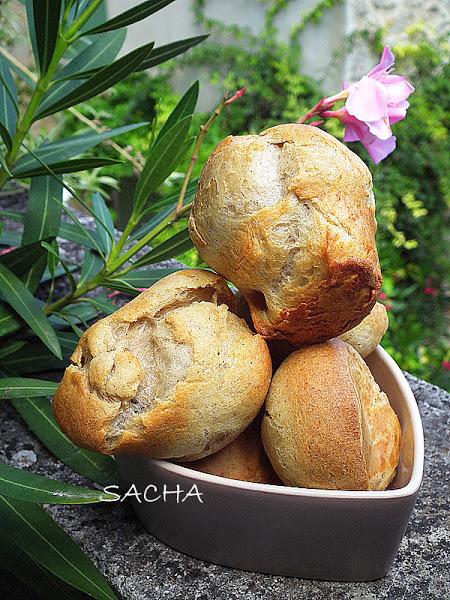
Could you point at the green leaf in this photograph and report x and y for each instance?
(137, 13)
(174, 246)
(8, 321)
(163, 53)
(184, 108)
(35, 532)
(9, 238)
(23, 485)
(97, 83)
(46, 15)
(74, 233)
(31, 574)
(41, 222)
(105, 233)
(8, 103)
(69, 166)
(10, 348)
(101, 52)
(22, 301)
(19, 387)
(57, 152)
(160, 161)
(153, 222)
(144, 278)
(22, 259)
(92, 264)
(37, 413)
(43, 213)
(35, 357)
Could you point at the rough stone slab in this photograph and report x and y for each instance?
(139, 567)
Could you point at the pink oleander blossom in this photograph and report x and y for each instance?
(373, 104)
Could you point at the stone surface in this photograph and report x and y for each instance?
(140, 567)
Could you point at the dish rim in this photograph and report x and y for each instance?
(408, 490)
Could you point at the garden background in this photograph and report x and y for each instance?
(288, 54)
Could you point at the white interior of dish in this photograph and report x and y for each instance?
(409, 473)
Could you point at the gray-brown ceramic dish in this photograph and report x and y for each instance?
(315, 534)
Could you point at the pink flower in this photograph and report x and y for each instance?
(383, 296)
(7, 250)
(373, 104)
(430, 291)
(446, 365)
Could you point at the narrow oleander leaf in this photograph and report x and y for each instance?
(162, 53)
(32, 575)
(97, 83)
(8, 103)
(156, 220)
(43, 214)
(41, 222)
(14, 215)
(92, 263)
(35, 532)
(23, 485)
(160, 161)
(79, 313)
(4, 134)
(143, 278)
(46, 15)
(59, 151)
(58, 272)
(10, 348)
(9, 322)
(73, 233)
(172, 198)
(102, 51)
(68, 166)
(17, 295)
(184, 108)
(54, 258)
(174, 246)
(21, 387)
(37, 413)
(105, 225)
(23, 258)
(35, 357)
(132, 15)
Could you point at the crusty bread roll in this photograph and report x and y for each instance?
(366, 336)
(243, 459)
(172, 374)
(327, 424)
(289, 217)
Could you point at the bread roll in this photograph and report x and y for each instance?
(366, 336)
(327, 424)
(243, 459)
(289, 217)
(172, 374)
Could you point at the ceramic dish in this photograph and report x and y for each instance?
(315, 534)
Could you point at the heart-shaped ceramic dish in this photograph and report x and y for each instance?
(315, 534)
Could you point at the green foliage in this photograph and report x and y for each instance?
(75, 51)
(412, 191)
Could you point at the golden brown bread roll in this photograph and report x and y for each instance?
(366, 336)
(289, 217)
(172, 374)
(327, 424)
(243, 459)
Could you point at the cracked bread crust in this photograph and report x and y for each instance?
(327, 424)
(289, 217)
(172, 374)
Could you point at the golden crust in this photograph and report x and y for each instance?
(366, 336)
(289, 217)
(327, 424)
(172, 374)
(243, 459)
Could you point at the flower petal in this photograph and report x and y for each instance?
(367, 100)
(397, 112)
(381, 128)
(386, 62)
(398, 88)
(379, 149)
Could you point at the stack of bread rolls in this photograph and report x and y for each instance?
(184, 371)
